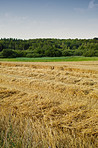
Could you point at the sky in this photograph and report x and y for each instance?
(28, 19)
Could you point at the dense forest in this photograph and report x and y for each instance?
(11, 48)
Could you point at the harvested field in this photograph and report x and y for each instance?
(46, 105)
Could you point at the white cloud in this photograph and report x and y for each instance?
(8, 18)
(92, 4)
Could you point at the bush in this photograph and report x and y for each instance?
(67, 53)
(53, 53)
(21, 53)
(0, 55)
(8, 53)
(78, 53)
(33, 55)
(89, 53)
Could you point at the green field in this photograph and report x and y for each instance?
(50, 59)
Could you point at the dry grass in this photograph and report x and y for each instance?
(46, 105)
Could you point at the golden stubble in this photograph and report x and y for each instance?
(49, 104)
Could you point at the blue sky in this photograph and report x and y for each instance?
(27, 19)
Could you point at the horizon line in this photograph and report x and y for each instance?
(46, 38)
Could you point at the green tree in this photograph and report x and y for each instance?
(8, 53)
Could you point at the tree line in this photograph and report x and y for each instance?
(11, 48)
